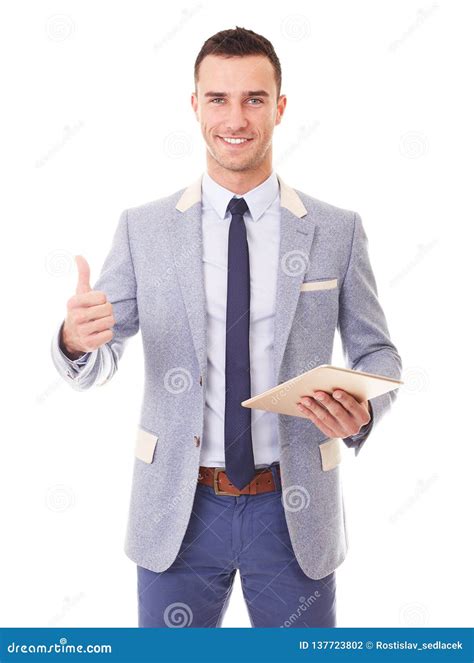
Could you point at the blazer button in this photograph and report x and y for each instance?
(197, 440)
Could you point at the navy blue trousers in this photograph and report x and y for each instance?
(226, 533)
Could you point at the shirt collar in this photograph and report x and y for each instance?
(258, 199)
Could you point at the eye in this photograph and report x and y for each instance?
(260, 101)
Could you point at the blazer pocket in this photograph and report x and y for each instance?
(145, 445)
(330, 453)
(326, 284)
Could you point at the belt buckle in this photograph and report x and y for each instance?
(217, 490)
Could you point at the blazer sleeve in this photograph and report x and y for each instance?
(362, 325)
(117, 280)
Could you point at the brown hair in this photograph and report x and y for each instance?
(239, 42)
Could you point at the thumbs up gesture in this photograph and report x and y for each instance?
(89, 320)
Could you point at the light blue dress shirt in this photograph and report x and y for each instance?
(262, 223)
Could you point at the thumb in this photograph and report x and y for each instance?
(84, 275)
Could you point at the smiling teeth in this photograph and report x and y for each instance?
(234, 140)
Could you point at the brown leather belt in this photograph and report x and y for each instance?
(263, 481)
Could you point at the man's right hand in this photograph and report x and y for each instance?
(89, 320)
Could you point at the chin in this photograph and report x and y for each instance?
(237, 163)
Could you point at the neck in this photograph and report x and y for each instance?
(239, 181)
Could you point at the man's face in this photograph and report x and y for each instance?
(236, 98)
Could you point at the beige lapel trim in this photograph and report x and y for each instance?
(288, 198)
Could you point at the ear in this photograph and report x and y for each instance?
(194, 104)
(281, 105)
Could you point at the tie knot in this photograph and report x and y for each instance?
(237, 206)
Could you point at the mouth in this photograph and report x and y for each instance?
(236, 143)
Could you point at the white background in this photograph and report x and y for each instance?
(96, 117)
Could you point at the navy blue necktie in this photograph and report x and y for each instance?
(239, 460)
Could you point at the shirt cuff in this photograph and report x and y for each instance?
(74, 364)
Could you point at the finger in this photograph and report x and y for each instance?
(84, 275)
(323, 427)
(337, 408)
(96, 340)
(92, 298)
(90, 313)
(97, 325)
(352, 405)
(321, 413)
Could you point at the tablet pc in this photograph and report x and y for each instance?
(284, 397)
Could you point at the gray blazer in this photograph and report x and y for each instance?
(153, 276)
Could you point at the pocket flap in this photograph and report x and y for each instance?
(330, 453)
(319, 285)
(145, 445)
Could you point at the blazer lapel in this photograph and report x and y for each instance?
(296, 236)
(185, 230)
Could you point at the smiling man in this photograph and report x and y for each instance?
(237, 283)
(237, 118)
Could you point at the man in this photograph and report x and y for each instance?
(237, 283)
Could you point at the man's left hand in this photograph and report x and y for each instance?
(339, 415)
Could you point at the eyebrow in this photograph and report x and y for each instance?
(249, 93)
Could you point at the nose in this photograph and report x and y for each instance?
(236, 120)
